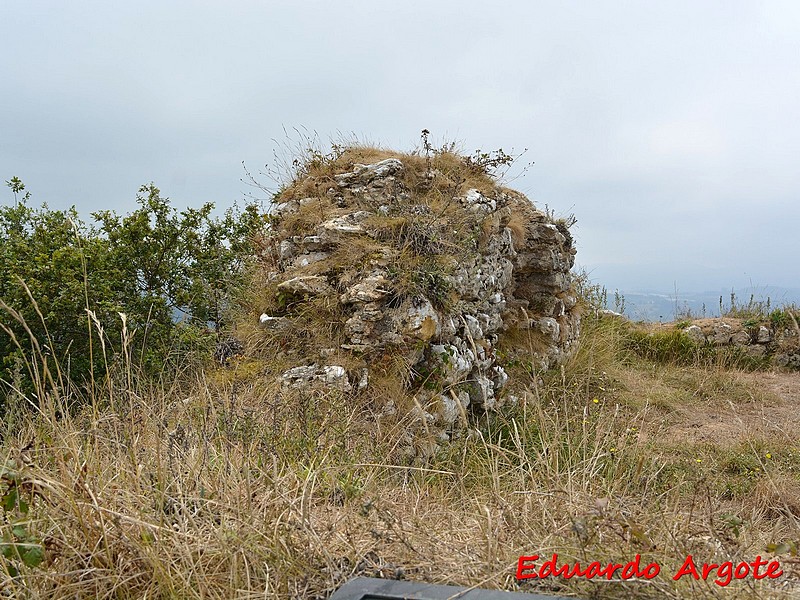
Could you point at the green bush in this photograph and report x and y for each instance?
(65, 286)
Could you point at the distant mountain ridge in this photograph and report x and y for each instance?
(650, 305)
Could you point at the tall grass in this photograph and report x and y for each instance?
(223, 486)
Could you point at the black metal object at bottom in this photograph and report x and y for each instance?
(366, 588)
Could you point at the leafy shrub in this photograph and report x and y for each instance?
(65, 284)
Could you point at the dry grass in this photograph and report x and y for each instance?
(220, 483)
(229, 487)
(451, 176)
(519, 230)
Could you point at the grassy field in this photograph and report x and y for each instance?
(215, 482)
(210, 484)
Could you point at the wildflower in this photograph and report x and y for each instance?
(769, 455)
(699, 460)
(595, 400)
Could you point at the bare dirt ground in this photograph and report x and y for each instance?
(773, 414)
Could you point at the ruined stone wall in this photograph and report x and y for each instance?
(778, 343)
(401, 268)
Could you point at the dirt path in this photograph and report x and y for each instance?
(785, 385)
(771, 416)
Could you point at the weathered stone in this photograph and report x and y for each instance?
(541, 260)
(453, 364)
(481, 392)
(496, 299)
(306, 284)
(357, 330)
(308, 376)
(790, 360)
(422, 414)
(303, 373)
(490, 322)
(695, 334)
(449, 328)
(286, 208)
(499, 377)
(347, 224)
(389, 409)
(307, 259)
(473, 327)
(570, 301)
(547, 232)
(287, 249)
(268, 322)
(421, 320)
(366, 173)
(721, 334)
(363, 378)
(764, 335)
(475, 201)
(334, 375)
(536, 284)
(449, 409)
(485, 278)
(372, 288)
(550, 327)
(310, 243)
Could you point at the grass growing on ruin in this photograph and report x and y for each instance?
(218, 483)
(312, 174)
(209, 487)
(415, 232)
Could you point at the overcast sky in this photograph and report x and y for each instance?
(670, 129)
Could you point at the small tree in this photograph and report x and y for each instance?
(173, 274)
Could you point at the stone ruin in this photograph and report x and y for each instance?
(777, 343)
(414, 270)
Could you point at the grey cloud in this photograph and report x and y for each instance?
(669, 129)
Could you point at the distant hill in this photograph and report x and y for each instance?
(667, 306)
